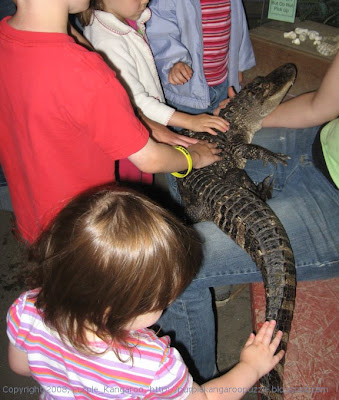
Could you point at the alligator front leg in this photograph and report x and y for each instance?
(256, 152)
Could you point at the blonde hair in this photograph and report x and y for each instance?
(110, 256)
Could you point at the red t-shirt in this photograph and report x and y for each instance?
(64, 119)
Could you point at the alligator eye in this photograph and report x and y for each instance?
(267, 89)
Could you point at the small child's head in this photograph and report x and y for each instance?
(111, 256)
(122, 9)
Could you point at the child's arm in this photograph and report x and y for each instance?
(157, 157)
(256, 360)
(18, 361)
(117, 54)
(162, 134)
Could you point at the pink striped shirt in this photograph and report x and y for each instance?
(216, 28)
(157, 370)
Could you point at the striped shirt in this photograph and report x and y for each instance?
(156, 372)
(216, 29)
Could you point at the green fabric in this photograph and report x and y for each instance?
(329, 138)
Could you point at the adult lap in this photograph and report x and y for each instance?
(306, 203)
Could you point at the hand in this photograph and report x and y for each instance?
(206, 123)
(180, 73)
(173, 139)
(231, 93)
(162, 134)
(258, 352)
(203, 154)
(240, 77)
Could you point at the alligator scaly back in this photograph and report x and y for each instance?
(224, 193)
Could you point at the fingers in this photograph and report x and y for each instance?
(211, 131)
(278, 356)
(276, 341)
(184, 141)
(176, 79)
(215, 151)
(265, 333)
(268, 333)
(212, 147)
(222, 104)
(210, 122)
(179, 74)
(203, 154)
(186, 72)
(221, 124)
(187, 139)
(231, 92)
(250, 340)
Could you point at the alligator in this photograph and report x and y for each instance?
(224, 193)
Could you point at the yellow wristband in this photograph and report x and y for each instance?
(186, 153)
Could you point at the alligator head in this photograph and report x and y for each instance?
(260, 97)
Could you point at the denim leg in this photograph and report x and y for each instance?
(304, 200)
(190, 323)
(173, 189)
(308, 207)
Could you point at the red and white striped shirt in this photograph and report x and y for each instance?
(216, 28)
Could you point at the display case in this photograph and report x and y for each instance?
(310, 42)
(321, 11)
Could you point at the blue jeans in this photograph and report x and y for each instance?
(217, 94)
(308, 207)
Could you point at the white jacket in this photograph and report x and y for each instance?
(129, 54)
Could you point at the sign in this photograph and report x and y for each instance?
(282, 10)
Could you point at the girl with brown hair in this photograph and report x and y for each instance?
(104, 271)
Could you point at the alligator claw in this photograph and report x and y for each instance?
(282, 158)
(265, 188)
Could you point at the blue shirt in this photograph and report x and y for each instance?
(175, 34)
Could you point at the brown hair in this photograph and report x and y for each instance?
(86, 16)
(110, 256)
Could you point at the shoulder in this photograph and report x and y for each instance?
(22, 313)
(148, 339)
(160, 347)
(87, 71)
(108, 36)
(24, 303)
(165, 5)
(171, 375)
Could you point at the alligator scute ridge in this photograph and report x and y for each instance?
(223, 193)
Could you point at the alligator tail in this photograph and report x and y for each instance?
(253, 225)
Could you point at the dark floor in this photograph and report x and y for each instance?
(234, 318)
